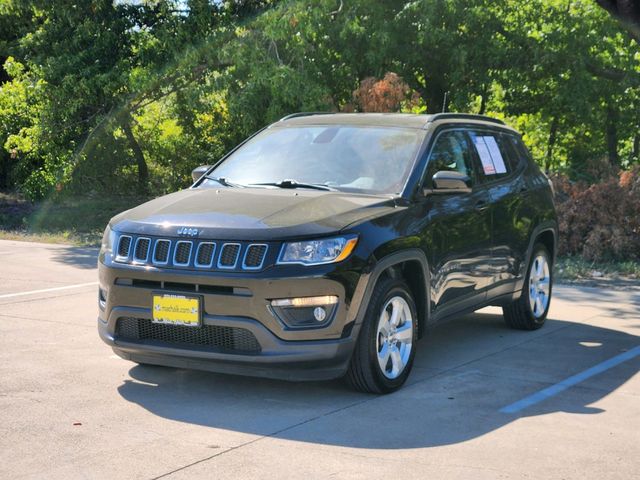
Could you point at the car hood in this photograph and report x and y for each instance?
(251, 213)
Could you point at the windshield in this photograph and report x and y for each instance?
(349, 158)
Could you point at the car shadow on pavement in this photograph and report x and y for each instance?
(81, 257)
(466, 371)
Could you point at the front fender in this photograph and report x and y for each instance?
(367, 282)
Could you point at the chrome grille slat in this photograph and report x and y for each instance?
(204, 254)
(124, 247)
(182, 253)
(229, 254)
(254, 256)
(141, 250)
(161, 251)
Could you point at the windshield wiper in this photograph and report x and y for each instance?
(224, 182)
(288, 183)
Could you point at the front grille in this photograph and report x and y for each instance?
(254, 256)
(215, 338)
(194, 254)
(124, 245)
(161, 251)
(182, 255)
(204, 257)
(229, 255)
(141, 252)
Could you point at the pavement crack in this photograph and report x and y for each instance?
(270, 435)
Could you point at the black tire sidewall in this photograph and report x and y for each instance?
(388, 290)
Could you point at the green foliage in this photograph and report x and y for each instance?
(112, 97)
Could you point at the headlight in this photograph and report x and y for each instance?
(108, 239)
(316, 252)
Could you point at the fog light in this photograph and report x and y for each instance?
(319, 314)
(305, 301)
(304, 312)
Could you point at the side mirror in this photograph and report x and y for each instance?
(199, 171)
(449, 182)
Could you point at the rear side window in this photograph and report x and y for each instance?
(493, 153)
(451, 152)
(520, 152)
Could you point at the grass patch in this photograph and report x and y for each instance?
(79, 220)
(576, 269)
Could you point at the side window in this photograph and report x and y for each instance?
(451, 152)
(521, 152)
(493, 153)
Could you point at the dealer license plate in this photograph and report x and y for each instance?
(176, 310)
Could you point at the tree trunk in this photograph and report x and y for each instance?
(611, 132)
(434, 94)
(553, 135)
(138, 154)
(483, 99)
(435, 100)
(627, 11)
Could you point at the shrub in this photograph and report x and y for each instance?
(600, 221)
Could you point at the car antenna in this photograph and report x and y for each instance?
(444, 102)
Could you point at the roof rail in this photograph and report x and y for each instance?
(464, 116)
(302, 114)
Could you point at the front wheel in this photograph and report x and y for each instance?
(530, 311)
(385, 350)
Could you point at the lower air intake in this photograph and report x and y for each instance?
(211, 337)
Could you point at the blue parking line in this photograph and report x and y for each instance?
(570, 382)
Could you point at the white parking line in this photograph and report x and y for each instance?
(46, 290)
(571, 381)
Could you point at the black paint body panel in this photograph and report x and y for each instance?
(469, 249)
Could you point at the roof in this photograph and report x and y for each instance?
(406, 120)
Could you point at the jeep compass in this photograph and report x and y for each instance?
(326, 245)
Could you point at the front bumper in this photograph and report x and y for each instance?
(237, 301)
(287, 360)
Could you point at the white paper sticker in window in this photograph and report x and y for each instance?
(485, 156)
(496, 156)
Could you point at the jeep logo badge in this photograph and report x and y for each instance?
(188, 232)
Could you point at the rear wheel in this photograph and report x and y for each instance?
(385, 350)
(530, 311)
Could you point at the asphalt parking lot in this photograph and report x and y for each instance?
(482, 402)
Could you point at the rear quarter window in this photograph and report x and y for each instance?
(522, 153)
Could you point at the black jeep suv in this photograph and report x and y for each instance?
(326, 245)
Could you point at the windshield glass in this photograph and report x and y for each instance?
(349, 158)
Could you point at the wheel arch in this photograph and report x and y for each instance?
(411, 265)
(547, 234)
(548, 239)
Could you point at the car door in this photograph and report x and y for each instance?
(457, 232)
(502, 174)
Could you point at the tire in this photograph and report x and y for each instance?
(530, 311)
(378, 333)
